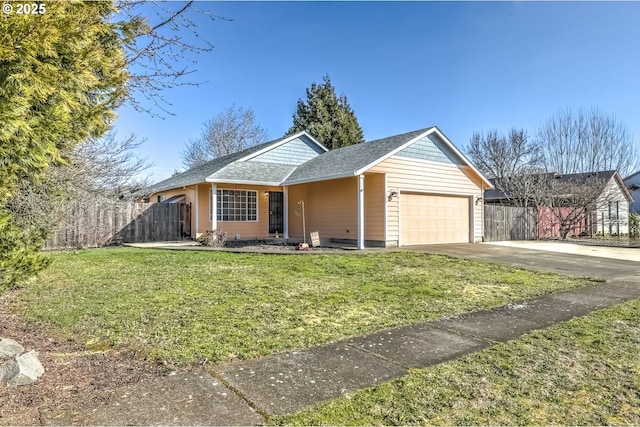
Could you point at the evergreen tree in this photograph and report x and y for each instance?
(62, 73)
(64, 69)
(327, 117)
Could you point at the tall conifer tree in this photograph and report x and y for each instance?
(328, 117)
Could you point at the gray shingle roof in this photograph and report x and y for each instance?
(345, 161)
(339, 163)
(258, 172)
(200, 173)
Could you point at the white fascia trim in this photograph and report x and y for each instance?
(324, 178)
(623, 188)
(283, 141)
(173, 187)
(242, 181)
(435, 193)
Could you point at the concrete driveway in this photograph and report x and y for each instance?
(621, 264)
(629, 254)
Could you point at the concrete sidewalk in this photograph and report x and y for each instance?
(294, 380)
(242, 393)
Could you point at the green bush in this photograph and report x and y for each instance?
(634, 225)
(20, 256)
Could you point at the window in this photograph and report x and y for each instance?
(613, 211)
(614, 226)
(236, 205)
(161, 197)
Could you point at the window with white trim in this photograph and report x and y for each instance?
(235, 205)
(613, 210)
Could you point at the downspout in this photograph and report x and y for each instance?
(214, 206)
(285, 214)
(481, 212)
(197, 211)
(361, 212)
(386, 210)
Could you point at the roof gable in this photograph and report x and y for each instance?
(294, 151)
(347, 161)
(431, 148)
(199, 174)
(356, 159)
(272, 162)
(623, 188)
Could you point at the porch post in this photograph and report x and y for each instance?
(361, 212)
(285, 213)
(214, 205)
(196, 205)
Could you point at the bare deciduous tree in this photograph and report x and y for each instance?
(560, 175)
(500, 156)
(586, 141)
(162, 40)
(561, 205)
(233, 130)
(567, 202)
(108, 166)
(105, 167)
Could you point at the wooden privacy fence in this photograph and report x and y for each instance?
(95, 223)
(509, 223)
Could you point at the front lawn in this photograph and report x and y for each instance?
(582, 372)
(188, 307)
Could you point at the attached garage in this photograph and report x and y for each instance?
(407, 189)
(433, 218)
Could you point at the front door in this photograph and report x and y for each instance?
(276, 206)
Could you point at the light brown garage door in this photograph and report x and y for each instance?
(427, 218)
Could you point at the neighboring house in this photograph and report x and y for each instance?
(407, 189)
(611, 201)
(633, 185)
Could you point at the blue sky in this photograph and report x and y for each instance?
(462, 66)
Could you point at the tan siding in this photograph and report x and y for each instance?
(374, 200)
(428, 177)
(203, 208)
(296, 194)
(331, 208)
(393, 217)
(247, 230)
